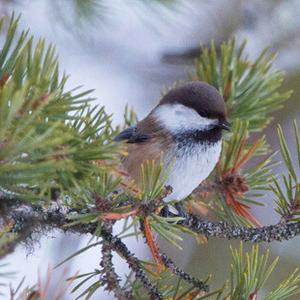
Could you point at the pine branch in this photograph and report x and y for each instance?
(236, 187)
(55, 146)
(162, 258)
(133, 263)
(30, 221)
(249, 273)
(202, 286)
(109, 277)
(250, 89)
(36, 220)
(279, 232)
(50, 137)
(288, 200)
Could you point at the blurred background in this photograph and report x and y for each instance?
(128, 51)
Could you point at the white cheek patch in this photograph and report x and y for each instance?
(177, 117)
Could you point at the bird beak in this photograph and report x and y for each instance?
(224, 125)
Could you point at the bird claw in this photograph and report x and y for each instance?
(174, 211)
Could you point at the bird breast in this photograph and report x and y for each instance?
(193, 163)
(186, 164)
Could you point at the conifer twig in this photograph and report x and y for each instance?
(28, 220)
(152, 244)
(185, 276)
(55, 145)
(133, 263)
(278, 232)
(110, 278)
(171, 266)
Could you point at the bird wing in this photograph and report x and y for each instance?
(132, 135)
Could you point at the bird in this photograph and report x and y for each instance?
(184, 131)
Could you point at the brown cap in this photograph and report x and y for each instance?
(199, 95)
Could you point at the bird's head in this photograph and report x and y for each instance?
(194, 106)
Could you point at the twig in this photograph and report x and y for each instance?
(133, 263)
(169, 264)
(185, 276)
(146, 228)
(279, 232)
(109, 277)
(30, 220)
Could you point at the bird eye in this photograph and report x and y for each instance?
(203, 114)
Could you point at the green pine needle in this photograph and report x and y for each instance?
(287, 194)
(49, 137)
(250, 89)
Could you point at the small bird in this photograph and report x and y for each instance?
(185, 131)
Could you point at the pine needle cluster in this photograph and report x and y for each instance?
(59, 170)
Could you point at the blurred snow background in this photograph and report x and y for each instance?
(128, 51)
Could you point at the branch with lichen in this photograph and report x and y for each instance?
(109, 277)
(59, 169)
(27, 221)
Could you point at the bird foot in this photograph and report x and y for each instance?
(174, 211)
